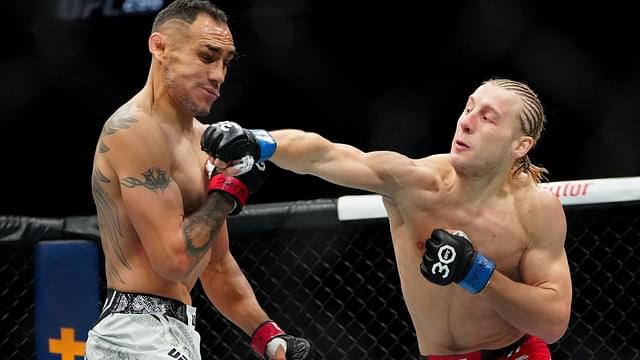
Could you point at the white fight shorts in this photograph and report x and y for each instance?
(140, 326)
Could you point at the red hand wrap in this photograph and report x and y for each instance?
(262, 335)
(230, 185)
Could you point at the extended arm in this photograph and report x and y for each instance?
(382, 172)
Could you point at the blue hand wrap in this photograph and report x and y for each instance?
(479, 274)
(266, 143)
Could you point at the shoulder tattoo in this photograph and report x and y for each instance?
(122, 119)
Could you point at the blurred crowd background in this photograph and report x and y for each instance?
(378, 75)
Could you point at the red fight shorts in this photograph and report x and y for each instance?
(527, 348)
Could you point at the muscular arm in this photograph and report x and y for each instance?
(540, 306)
(153, 202)
(228, 289)
(382, 172)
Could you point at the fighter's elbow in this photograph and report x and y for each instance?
(553, 336)
(175, 267)
(556, 329)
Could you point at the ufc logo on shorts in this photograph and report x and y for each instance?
(177, 355)
(446, 255)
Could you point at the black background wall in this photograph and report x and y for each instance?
(391, 76)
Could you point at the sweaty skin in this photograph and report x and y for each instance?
(508, 219)
(160, 230)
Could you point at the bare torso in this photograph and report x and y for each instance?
(127, 265)
(448, 319)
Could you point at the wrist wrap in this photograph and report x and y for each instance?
(262, 335)
(233, 187)
(266, 144)
(478, 275)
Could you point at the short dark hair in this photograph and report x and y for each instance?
(187, 11)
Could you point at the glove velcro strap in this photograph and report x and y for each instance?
(232, 186)
(266, 143)
(262, 335)
(479, 274)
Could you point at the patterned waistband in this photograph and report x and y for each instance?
(118, 302)
(480, 355)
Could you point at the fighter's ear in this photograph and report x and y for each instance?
(522, 146)
(157, 45)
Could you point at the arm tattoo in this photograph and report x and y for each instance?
(102, 147)
(110, 231)
(121, 119)
(203, 226)
(154, 179)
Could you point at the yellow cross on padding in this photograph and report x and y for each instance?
(66, 346)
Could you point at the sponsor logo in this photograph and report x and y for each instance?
(174, 353)
(569, 189)
(446, 255)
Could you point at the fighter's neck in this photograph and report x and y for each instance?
(161, 106)
(481, 189)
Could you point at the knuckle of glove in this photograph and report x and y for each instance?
(438, 236)
(236, 149)
(234, 145)
(208, 141)
(297, 348)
